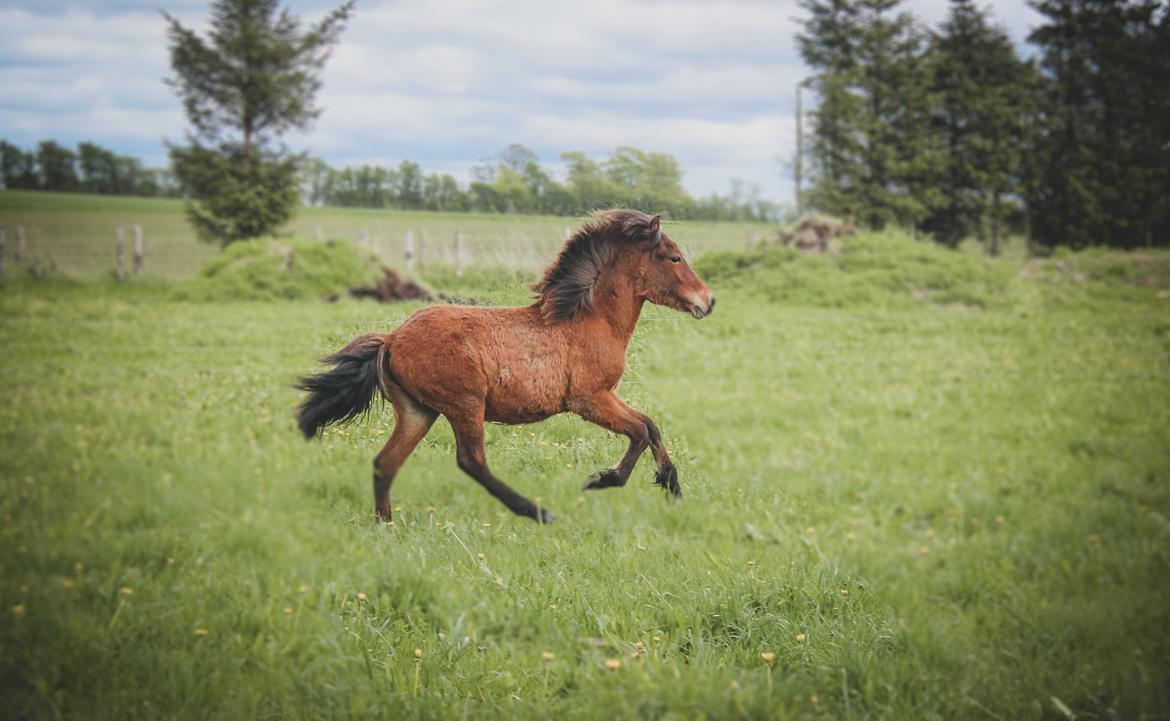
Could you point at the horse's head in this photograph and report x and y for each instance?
(665, 277)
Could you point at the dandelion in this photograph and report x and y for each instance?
(418, 653)
(170, 561)
(18, 609)
(657, 638)
(810, 531)
(1094, 539)
(389, 524)
(287, 611)
(767, 657)
(613, 664)
(552, 607)
(851, 536)
(800, 637)
(201, 632)
(751, 564)
(844, 591)
(487, 524)
(480, 556)
(734, 685)
(1137, 652)
(77, 567)
(999, 520)
(548, 656)
(812, 698)
(361, 598)
(23, 588)
(303, 588)
(925, 550)
(930, 533)
(126, 591)
(398, 509)
(68, 583)
(430, 509)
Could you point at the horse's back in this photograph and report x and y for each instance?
(506, 359)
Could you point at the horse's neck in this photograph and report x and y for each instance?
(615, 301)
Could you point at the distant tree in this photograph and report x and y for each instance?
(982, 109)
(57, 166)
(254, 78)
(517, 157)
(19, 168)
(98, 168)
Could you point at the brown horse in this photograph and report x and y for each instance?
(565, 352)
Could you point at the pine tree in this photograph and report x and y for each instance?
(254, 78)
(983, 96)
(900, 156)
(828, 45)
(1103, 168)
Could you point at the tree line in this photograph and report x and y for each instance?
(89, 169)
(949, 131)
(514, 181)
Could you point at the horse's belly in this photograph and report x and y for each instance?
(519, 396)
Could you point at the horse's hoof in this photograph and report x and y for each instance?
(543, 516)
(667, 478)
(602, 479)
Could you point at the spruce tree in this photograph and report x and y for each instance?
(1102, 174)
(828, 45)
(252, 79)
(982, 106)
(901, 155)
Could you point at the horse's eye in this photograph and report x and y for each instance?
(675, 259)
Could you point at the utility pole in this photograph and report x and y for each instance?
(799, 151)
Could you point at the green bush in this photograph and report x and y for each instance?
(284, 269)
(884, 269)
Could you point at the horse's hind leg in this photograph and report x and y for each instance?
(412, 421)
(472, 460)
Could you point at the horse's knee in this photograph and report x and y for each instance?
(468, 462)
(654, 436)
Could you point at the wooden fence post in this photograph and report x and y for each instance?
(409, 250)
(318, 234)
(139, 249)
(363, 237)
(3, 252)
(422, 244)
(21, 247)
(119, 256)
(458, 253)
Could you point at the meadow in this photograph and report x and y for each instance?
(917, 484)
(79, 233)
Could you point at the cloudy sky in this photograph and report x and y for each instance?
(448, 83)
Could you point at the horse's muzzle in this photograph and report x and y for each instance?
(699, 312)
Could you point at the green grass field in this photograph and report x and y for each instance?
(904, 498)
(79, 232)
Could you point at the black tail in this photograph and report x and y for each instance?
(345, 392)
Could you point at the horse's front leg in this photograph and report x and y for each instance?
(611, 413)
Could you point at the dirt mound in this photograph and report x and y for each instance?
(812, 234)
(391, 288)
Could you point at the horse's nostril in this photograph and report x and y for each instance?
(711, 307)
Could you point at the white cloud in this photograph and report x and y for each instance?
(449, 83)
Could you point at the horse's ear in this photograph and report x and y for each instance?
(654, 229)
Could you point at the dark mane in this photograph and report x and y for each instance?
(566, 288)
